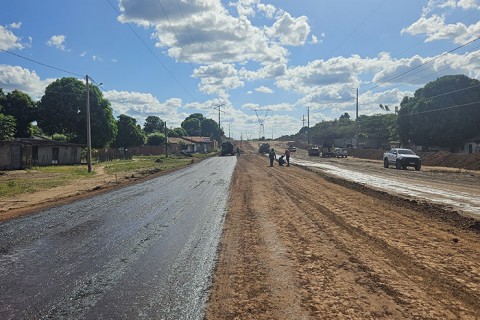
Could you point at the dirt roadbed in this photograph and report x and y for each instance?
(299, 246)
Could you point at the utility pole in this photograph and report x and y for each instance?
(166, 139)
(89, 130)
(219, 126)
(308, 125)
(356, 122)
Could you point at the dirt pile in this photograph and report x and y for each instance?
(437, 158)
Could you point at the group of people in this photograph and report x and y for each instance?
(284, 158)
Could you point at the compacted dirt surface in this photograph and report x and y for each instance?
(300, 245)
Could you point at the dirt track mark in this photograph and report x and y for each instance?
(318, 249)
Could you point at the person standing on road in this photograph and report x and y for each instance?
(287, 157)
(272, 156)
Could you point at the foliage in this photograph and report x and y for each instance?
(155, 139)
(197, 125)
(153, 124)
(129, 132)
(192, 126)
(59, 137)
(444, 113)
(7, 127)
(62, 109)
(20, 106)
(177, 132)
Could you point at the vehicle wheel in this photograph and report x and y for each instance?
(418, 166)
(404, 167)
(385, 163)
(398, 165)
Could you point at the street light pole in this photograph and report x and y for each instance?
(89, 131)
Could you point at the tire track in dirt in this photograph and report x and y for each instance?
(297, 246)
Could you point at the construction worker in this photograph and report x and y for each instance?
(287, 157)
(272, 156)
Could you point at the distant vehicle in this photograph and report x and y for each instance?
(341, 152)
(264, 148)
(313, 151)
(292, 148)
(402, 158)
(227, 149)
(328, 149)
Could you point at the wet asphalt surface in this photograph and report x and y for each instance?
(146, 251)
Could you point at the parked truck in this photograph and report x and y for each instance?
(402, 158)
(328, 149)
(227, 149)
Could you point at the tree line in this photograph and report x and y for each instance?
(61, 115)
(444, 113)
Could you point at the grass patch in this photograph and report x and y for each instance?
(40, 178)
(14, 183)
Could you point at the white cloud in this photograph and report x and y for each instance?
(218, 78)
(263, 89)
(57, 41)
(204, 32)
(268, 9)
(16, 25)
(27, 81)
(8, 40)
(435, 28)
(141, 105)
(290, 31)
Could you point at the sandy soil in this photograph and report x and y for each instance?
(11, 207)
(298, 246)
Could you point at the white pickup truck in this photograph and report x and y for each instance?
(402, 158)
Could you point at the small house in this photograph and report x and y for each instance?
(472, 145)
(24, 152)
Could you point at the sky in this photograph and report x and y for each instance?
(270, 67)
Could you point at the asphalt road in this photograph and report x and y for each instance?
(146, 251)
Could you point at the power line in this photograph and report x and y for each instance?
(441, 109)
(423, 64)
(42, 64)
(153, 53)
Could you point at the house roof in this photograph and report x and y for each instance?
(474, 139)
(177, 140)
(189, 139)
(198, 139)
(38, 141)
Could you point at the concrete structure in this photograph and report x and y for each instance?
(24, 152)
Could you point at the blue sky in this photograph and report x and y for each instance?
(171, 58)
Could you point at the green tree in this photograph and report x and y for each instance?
(153, 124)
(7, 127)
(177, 132)
(62, 110)
(130, 134)
(20, 106)
(192, 126)
(210, 129)
(155, 139)
(445, 112)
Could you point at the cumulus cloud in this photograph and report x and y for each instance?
(141, 105)
(435, 28)
(27, 81)
(57, 41)
(8, 40)
(263, 89)
(218, 78)
(290, 31)
(433, 22)
(16, 25)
